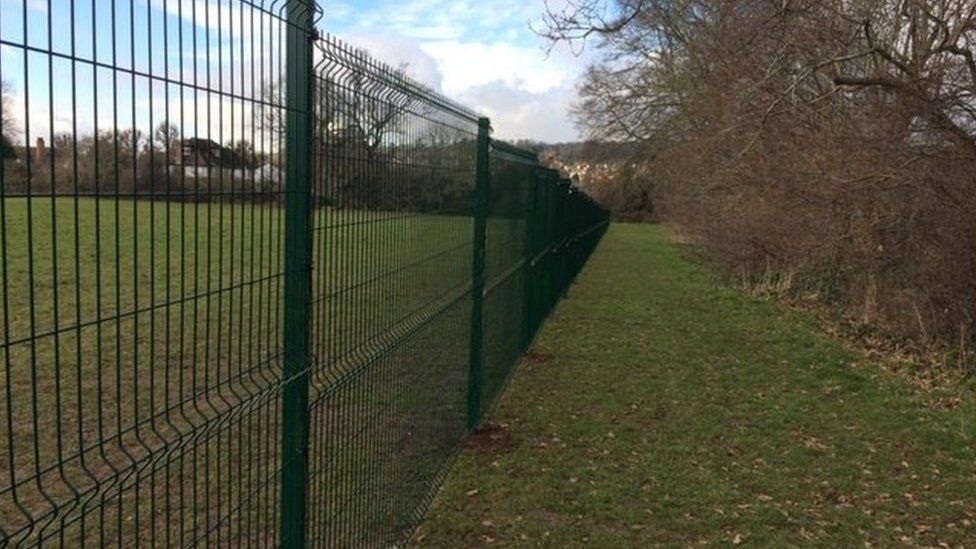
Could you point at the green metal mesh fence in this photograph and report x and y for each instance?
(255, 287)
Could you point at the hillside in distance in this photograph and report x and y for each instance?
(614, 173)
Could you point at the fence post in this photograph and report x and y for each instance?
(476, 357)
(298, 274)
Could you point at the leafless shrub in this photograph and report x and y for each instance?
(827, 146)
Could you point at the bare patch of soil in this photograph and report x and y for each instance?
(491, 438)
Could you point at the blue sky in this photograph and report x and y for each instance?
(223, 45)
(481, 53)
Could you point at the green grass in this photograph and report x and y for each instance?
(140, 353)
(660, 408)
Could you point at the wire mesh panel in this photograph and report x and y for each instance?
(141, 260)
(395, 174)
(579, 226)
(255, 287)
(515, 176)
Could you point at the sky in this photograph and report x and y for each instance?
(481, 53)
(137, 63)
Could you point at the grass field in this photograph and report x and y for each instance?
(660, 408)
(140, 367)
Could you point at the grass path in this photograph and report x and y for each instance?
(660, 409)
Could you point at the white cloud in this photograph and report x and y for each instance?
(481, 53)
(521, 114)
(396, 50)
(473, 64)
(527, 95)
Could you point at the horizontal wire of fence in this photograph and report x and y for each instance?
(256, 288)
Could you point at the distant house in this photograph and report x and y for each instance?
(198, 157)
(34, 156)
(269, 178)
(197, 151)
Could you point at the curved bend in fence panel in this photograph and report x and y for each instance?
(256, 288)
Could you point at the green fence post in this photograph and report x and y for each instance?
(298, 274)
(476, 358)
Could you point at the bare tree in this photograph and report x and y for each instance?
(353, 100)
(166, 136)
(365, 108)
(271, 119)
(8, 123)
(921, 51)
(828, 145)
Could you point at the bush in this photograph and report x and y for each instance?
(804, 146)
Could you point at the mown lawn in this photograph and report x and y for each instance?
(141, 371)
(660, 408)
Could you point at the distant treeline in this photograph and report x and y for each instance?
(352, 172)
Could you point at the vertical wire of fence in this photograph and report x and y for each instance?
(256, 288)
